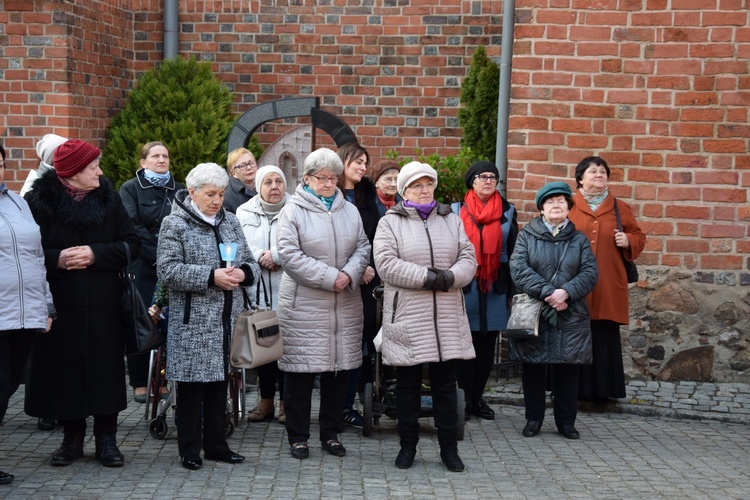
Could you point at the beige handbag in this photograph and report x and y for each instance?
(257, 340)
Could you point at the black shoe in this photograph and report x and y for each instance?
(192, 463)
(5, 478)
(107, 451)
(300, 450)
(532, 428)
(569, 432)
(334, 447)
(71, 449)
(452, 461)
(228, 456)
(405, 457)
(46, 424)
(483, 411)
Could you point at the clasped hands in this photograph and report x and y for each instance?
(557, 300)
(76, 258)
(228, 278)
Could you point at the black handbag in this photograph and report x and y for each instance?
(141, 333)
(630, 268)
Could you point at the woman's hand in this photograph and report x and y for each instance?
(76, 258)
(266, 260)
(621, 239)
(558, 300)
(368, 275)
(228, 278)
(49, 324)
(342, 281)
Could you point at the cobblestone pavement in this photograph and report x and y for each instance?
(618, 456)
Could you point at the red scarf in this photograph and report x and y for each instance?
(387, 201)
(488, 242)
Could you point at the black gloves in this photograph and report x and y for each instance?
(439, 279)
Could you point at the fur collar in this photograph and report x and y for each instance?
(50, 203)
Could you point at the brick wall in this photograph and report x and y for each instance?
(659, 89)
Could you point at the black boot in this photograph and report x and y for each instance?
(107, 452)
(72, 448)
(405, 457)
(450, 458)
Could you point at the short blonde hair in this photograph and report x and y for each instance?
(235, 155)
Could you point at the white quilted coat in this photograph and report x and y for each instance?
(322, 329)
(421, 326)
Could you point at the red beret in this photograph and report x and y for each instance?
(74, 155)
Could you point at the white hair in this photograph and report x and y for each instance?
(207, 173)
(320, 159)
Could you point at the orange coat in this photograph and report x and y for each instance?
(609, 300)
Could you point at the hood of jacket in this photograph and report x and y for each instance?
(51, 202)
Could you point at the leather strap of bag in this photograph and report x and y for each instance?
(559, 263)
(619, 226)
(265, 292)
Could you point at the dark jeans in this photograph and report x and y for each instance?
(409, 402)
(473, 373)
(15, 346)
(103, 425)
(564, 385)
(268, 375)
(200, 417)
(298, 389)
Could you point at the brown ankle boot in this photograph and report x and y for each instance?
(282, 415)
(263, 412)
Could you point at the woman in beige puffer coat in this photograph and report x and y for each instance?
(424, 257)
(324, 252)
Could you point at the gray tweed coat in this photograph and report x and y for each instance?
(201, 315)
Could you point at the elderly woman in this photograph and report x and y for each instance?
(242, 169)
(26, 305)
(259, 218)
(384, 174)
(553, 262)
(594, 215)
(424, 258)
(490, 223)
(205, 296)
(77, 370)
(148, 199)
(324, 253)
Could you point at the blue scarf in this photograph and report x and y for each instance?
(423, 209)
(328, 201)
(157, 180)
(594, 200)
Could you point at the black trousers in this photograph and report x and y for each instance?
(473, 373)
(268, 375)
(15, 346)
(298, 389)
(409, 402)
(200, 417)
(103, 425)
(564, 385)
(138, 369)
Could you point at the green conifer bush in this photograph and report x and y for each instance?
(479, 98)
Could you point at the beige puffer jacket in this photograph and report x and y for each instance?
(322, 329)
(420, 325)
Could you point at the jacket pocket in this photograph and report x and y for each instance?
(188, 305)
(395, 303)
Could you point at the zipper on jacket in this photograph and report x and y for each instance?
(14, 243)
(434, 293)
(395, 303)
(335, 302)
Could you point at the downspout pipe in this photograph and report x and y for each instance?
(171, 10)
(503, 104)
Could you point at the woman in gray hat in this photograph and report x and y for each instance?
(553, 262)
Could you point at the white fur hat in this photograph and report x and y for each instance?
(264, 171)
(411, 172)
(45, 148)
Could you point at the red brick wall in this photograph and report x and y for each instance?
(661, 91)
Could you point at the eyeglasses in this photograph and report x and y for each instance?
(486, 178)
(326, 180)
(246, 166)
(389, 180)
(422, 187)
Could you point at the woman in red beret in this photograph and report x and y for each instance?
(77, 369)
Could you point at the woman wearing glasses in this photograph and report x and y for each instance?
(242, 168)
(424, 258)
(324, 253)
(490, 223)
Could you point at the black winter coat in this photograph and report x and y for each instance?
(532, 266)
(366, 198)
(147, 206)
(77, 368)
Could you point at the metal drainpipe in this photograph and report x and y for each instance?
(170, 29)
(503, 105)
